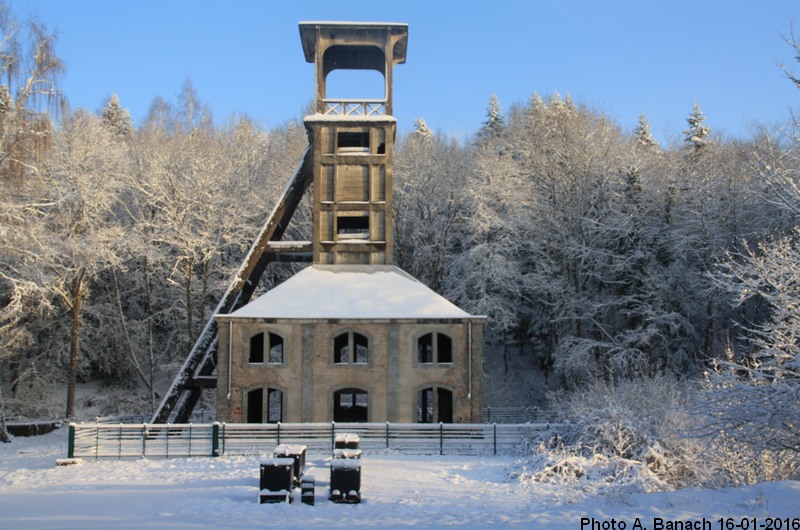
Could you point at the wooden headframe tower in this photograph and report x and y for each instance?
(349, 163)
(352, 143)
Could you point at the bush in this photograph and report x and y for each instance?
(640, 430)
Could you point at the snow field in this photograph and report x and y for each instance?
(398, 492)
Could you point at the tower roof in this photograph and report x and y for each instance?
(363, 33)
(360, 292)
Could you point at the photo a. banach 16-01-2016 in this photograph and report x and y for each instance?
(703, 523)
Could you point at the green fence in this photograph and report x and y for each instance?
(103, 440)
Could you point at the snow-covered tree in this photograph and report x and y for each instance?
(421, 128)
(29, 93)
(752, 404)
(86, 170)
(29, 96)
(644, 137)
(752, 407)
(430, 205)
(697, 135)
(794, 43)
(494, 124)
(117, 118)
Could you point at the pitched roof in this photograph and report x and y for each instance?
(350, 292)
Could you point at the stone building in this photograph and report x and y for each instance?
(352, 337)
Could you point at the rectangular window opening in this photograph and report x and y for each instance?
(352, 227)
(353, 143)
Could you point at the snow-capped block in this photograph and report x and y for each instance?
(346, 453)
(276, 461)
(346, 463)
(276, 480)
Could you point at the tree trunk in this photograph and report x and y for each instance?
(506, 353)
(126, 335)
(4, 438)
(150, 352)
(76, 294)
(204, 294)
(189, 306)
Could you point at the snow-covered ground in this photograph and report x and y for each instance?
(398, 491)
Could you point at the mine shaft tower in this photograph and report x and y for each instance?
(352, 143)
(349, 162)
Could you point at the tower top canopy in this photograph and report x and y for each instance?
(380, 34)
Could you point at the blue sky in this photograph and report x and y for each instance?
(620, 57)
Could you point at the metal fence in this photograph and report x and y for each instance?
(102, 440)
(516, 415)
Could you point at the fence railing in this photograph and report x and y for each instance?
(102, 440)
(355, 107)
(516, 415)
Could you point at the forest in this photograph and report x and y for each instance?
(607, 264)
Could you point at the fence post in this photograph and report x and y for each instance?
(495, 438)
(441, 438)
(119, 445)
(215, 439)
(144, 439)
(71, 441)
(387, 435)
(333, 435)
(279, 433)
(96, 440)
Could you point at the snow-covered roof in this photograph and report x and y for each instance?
(351, 292)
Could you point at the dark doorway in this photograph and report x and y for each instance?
(255, 406)
(445, 405)
(350, 405)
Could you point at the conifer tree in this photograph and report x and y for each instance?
(421, 128)
(697, 134)
(117, 118)
(494, 124)
(644, 138)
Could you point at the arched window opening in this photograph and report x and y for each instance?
(434, 347)
(350, 347)
(256, 403)
(435, 405)
(444, 348)
(275, 349)
(256, 348)
(341, 349)
(350, 405)
(360, 345)
(425, 348)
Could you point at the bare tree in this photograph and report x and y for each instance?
(85, 172)
(752, 406)
(29, 93)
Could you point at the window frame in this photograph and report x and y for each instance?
(266, 347)
(434, 343)
(352, 345)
